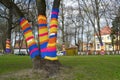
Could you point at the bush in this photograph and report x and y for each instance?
(71, 51)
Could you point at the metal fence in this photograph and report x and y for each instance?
(99, 53)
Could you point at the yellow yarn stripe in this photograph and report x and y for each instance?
(54, 22)
(51, 44)
(51, 58)
(28, 34)
(44, 30)
(53, 30)
(43, 38)
(41, 17)
(7, 45)
(24, 23)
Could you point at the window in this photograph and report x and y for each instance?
(98, 46)
(96, 39)
(108, 37)
(88, 47)
(110, 46)
(102, 38)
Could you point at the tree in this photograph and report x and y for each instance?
(7, 16)
(8, 38)
(115, 34)
(2, 34)
(45, 58)
(93, 14)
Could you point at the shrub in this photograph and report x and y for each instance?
(71, 51)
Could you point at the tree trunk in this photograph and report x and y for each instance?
(63, 32)
(51, 66)
(9, 28)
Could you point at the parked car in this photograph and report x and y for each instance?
(60, 53)
(1, 54)
(22, 53)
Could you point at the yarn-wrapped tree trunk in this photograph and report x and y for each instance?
(8, 33)
(47, 40)
(43, 55)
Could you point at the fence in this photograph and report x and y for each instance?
(99, 53)
(74, 51)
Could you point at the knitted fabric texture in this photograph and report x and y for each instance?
(43, 34)
(29, 37)
(8, 50)
(48, 45)
(51, 47)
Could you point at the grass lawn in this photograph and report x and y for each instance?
(98, 67)
(12, 63)
(94, 67)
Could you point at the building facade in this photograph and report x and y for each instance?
(106, 39)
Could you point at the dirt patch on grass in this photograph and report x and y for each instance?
(65, 73)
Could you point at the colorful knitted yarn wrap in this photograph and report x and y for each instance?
(102, 47)
(101, 43)
(51, 47)
(43, 34)
(29, 37)
(8, 50)
(48, 46)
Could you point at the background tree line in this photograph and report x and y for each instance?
(78, 21)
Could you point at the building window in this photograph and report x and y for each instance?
(98, 46)
(96, 39)
(88, 47)
(102, 38)
(108, 37)
(110, 46)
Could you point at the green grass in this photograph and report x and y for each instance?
(94, 67)
(81, 67)
(11, 63)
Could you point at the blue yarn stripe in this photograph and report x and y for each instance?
(43, 45)
(29, 28)
(53, 36)
(34, 54)
(33, 46)
(41, 25)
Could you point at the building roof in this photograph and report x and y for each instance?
(20, 47)
(105, 30)
(17, 46)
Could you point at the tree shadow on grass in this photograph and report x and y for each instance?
(65, 73)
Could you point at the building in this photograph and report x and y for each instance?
(87, 46)
(106, 39)
(20, 48)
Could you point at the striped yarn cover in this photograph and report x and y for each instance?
(102, 47)
(29, 37)
(51, 47)
(101, 43)
(43, 34)
(48, 46)
(8, 50)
